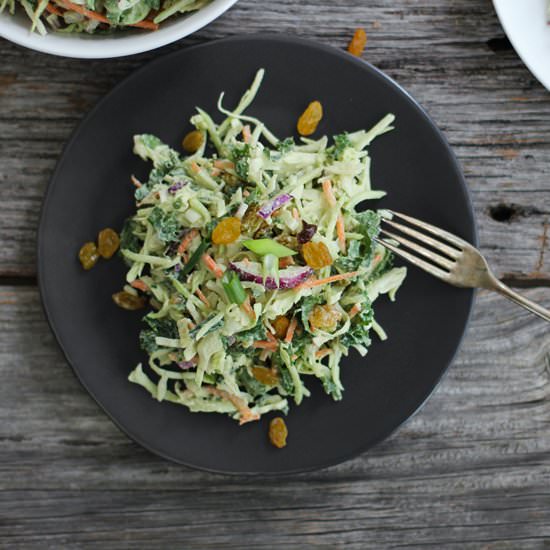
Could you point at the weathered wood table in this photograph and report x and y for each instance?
(471, 470)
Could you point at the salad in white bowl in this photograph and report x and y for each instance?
(103, 28)
(526, 24)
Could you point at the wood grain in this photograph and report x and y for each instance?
(470, 471)
(493, 112)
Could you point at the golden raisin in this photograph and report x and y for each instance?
(265, 376)
(358, 42)
(324, 318)
(310, 118)
(281, 326)
(125, 300)
(88, 255)
(192, 141)
(278, 432)
(227, 231)
(316, 255)
(107, 242)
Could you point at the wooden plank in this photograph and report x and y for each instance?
(450, 56)
(471, 470)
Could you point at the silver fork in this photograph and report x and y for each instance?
(448, 258)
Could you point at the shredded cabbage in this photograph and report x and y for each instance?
(215, 328)
(99, 16)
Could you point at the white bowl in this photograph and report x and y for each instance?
(124, 42)
(524, 22)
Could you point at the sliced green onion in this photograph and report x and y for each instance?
(233, 287)
(194, 258)
(270, 269)
(268, 246)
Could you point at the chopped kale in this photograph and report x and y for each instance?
(241, 156)
(247, 337)
(128, 239)
(166, 224)
(358, 333)
(341, 142)
(164, 327)
(147, 341)
(286, 145)
(359, 252)
(285, 380)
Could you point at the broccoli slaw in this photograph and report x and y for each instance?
(98, 16)
(260, 271)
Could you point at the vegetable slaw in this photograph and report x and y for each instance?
(260, 271)
(98, 16)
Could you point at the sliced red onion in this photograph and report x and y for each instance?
(184, 365)
(290, 277)
(270, 206)
(177, 186)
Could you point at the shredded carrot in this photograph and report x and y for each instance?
(146, 24)
(285, 262)
(271, 338)
(133, 178)
(186, 241)
(191, 325)
(246, 133)
(140, 285)
(354, 311)
(323, 352)
(377, 258)
(264, 354)
(341, 234)
(53, 9)
(290, 330)
(224, 164)
(333, 279)
(329, 194)
(215, 172)
(247, 308)
(195, 167)
(295, 213)
(98, 17)
(83, 11)
(246, 193)
(294, 357)
(246, 414)
(303, 285)
(265, 344)
(202, 297)
(212, 265)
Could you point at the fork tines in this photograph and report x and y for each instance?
(442, 251)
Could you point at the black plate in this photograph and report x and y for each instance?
(90, 190)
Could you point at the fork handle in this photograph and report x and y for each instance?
(521, 300)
